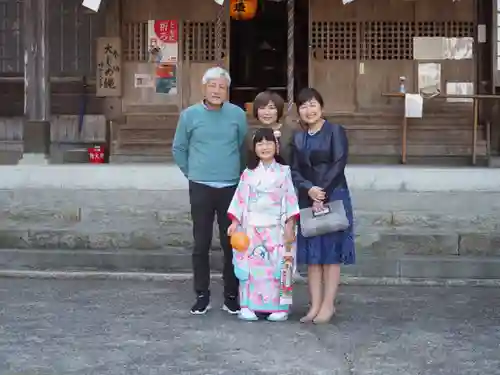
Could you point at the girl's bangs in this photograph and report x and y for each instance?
(264, 134)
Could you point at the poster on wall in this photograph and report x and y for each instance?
(163, 48)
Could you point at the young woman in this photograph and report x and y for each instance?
(268, 108)
(319, 158)
(265, 207)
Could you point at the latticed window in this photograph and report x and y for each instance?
(378, 40)
(387, 40)
(199, 41)
(334, 40)
(135, 41)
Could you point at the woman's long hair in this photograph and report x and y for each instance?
(262, 134)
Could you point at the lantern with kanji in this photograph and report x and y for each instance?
(243, 10)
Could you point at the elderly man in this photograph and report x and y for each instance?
(207, 148)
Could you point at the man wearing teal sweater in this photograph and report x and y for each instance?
(207, 149)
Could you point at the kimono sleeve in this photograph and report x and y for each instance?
(291, 202)
(238, 205)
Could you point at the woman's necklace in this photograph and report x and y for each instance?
(314, 131)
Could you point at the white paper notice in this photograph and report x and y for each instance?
(92, 4)
(143, 80)
(414, 105)
(429, 78)
(460, 88)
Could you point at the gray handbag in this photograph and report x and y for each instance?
(332, 219)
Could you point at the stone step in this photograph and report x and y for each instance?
(176, 260)
(79, 218)
(385, 222)
(136, 228)
(143, 196)
(369, 241)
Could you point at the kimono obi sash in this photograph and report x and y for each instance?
(263, 212)
(263, 219)
(265, 205)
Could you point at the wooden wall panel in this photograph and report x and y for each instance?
(382, 76)
(359, 50)
(375, 40)
(336, 81)
(143, 10)
(437, 10)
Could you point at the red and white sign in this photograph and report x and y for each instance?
(167, 31)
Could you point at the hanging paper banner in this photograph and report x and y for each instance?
(163, 48)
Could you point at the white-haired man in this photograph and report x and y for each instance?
(207, 148)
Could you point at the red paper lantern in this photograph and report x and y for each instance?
(243, 10)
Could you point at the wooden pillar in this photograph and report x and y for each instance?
(36, 83)
(290, 55)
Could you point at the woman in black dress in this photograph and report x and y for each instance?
(319, 157)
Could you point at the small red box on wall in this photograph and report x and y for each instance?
(96, 155)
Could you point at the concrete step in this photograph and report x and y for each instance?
(370, 241)
(177, 260)
(408, 223)
(133, 217)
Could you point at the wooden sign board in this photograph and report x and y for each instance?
(109, 67)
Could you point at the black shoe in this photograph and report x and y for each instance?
(231, 305)
(202, 304)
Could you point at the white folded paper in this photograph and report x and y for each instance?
(92, 4)
(414, 105)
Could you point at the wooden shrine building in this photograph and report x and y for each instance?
(358, 55)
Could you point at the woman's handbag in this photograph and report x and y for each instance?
(331, 219)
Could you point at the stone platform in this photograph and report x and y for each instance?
(410, 222)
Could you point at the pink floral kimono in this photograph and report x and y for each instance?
(264, 200)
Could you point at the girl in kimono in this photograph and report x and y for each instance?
(265, 207)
